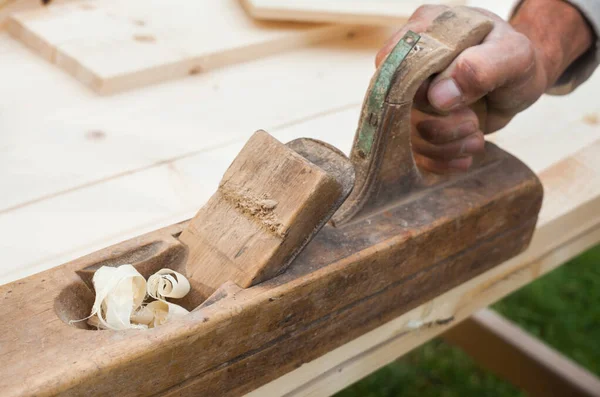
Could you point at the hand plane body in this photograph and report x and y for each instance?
(396, 239)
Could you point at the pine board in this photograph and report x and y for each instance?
(363, 12)
(101, 137)
(112, 45)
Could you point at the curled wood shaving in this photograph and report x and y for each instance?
(167, 283)
(120, 295)
(158, 313)
(120, 291)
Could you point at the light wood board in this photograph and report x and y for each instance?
(102, 137)
(112, 45)
(363, 12)
(8, 7)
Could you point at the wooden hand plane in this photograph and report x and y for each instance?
(387, 237)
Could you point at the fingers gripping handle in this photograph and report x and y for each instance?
(381, 154)
(451, 33)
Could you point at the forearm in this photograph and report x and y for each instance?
(559, 32)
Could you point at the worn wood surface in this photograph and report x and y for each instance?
(513, 354)
(382, 153)
(253, 226)
(363, 12)
(345, 283)
(113, 45)
(120, 174)
(569, 224)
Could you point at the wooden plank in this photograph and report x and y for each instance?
(129, 169)
(167, 192)
(102, 138)
(565, 229)
(363, 12)
(112, 45)
(174, 137)
(105, 137)
(526, 362)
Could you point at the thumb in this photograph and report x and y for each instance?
(501, 59)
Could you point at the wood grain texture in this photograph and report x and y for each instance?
(252, 227)
(110, 137)
(569, 224)
(116, 147)
(363, 12)
(112, 45)
(345, 283)
(511, 353)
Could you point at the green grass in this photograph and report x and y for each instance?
(562, 309)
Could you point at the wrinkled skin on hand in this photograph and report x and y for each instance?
(506, 69)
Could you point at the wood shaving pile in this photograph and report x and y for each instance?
(124, 299)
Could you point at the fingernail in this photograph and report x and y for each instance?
(445, 95)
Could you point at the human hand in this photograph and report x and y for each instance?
(511, 69)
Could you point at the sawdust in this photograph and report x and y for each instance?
(260, 209)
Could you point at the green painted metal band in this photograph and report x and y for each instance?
(373, 109)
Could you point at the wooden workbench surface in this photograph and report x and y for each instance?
(79, 172)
